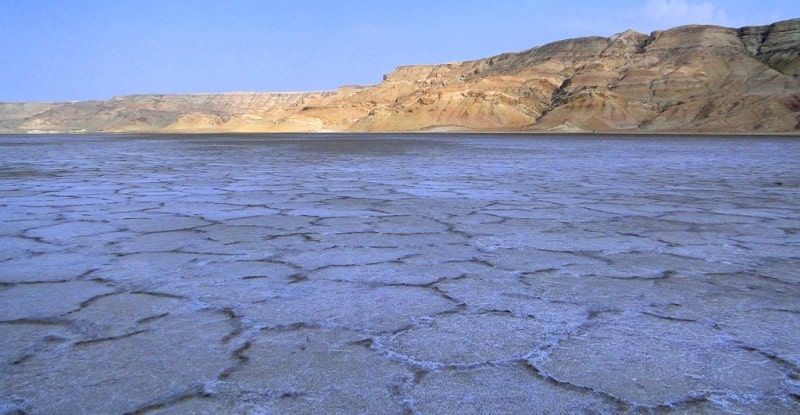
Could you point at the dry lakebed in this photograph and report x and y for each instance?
(378, 274)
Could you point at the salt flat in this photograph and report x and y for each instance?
(399, 274)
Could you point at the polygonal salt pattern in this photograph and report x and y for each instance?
(398, 274)
(651, 362)
(502, 389)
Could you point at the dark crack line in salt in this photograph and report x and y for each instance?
(196, 391)
(239, 355)
(107, 339)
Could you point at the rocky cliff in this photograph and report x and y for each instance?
(690, 79)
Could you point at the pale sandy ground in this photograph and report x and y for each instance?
(404, 274)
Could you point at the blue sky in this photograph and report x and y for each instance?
(62, 50)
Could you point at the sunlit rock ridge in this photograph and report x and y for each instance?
(690, 79)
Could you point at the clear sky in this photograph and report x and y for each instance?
(65, 50)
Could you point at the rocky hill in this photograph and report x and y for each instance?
(690, 79)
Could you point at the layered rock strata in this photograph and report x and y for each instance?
(690, 79)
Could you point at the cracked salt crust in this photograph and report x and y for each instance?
(423, 274)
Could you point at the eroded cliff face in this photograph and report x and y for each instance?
(693, 79)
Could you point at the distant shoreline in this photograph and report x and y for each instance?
(361, 134)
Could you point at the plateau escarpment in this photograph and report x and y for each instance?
(690, 79)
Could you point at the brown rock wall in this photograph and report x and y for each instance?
(687, 79)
